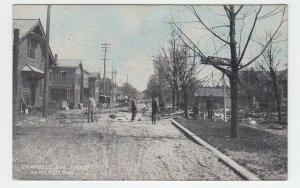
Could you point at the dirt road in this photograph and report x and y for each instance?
(112, 149)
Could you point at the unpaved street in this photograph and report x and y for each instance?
(112, 149)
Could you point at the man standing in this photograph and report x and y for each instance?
(155, 109)
(209, 106)
(91, 108)
(133, 109)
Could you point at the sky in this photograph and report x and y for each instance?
(136, 34)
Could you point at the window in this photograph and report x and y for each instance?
(32, 44)
(68, 94)
(63, 76)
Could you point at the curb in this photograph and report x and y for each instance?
(242, 171)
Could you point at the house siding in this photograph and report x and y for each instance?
(72, 82)
(23, 87)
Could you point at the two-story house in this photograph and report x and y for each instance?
(66, 82)
(94, 81)
(86, 90)
(30, 62)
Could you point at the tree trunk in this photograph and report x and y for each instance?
(177, 97)
(186, 102)
(234, 109)
(234, 77)
(173, 97)
(275, 88)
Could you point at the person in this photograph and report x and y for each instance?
(209, 106)
(133, 109)
(155, 109)
(196, 110)
(91, 108)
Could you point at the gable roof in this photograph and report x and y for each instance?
(26, 26)
(71, 63)
(94, 75)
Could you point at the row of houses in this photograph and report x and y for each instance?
(68, 80)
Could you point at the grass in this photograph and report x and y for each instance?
(261, 152)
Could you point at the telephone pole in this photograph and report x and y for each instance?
(113, 77)
(15, 69)
(46, 66)
(105, 46)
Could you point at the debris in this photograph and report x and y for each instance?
(201, 164)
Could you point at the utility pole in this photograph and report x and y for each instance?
(115, 77)
(112, 83)
(15, 64)
(127, 79)
(15, 73)
(46, 66)
(105, 46)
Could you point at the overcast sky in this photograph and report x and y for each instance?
(136, 34)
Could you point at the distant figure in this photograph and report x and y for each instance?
(133, 109)
(155, 109)
(209, 106)
(196, 110)
(91, 108)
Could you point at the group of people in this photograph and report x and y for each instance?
(154, 106)
(209, 107)
(92, 107)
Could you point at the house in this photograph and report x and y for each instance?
(203, 93)
(86, 90)
(66, 82)
(29, 71)
(93, 85)
(90, 85)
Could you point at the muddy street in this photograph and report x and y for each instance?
(112, 149)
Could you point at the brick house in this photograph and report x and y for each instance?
(66, 82)
(30, 63)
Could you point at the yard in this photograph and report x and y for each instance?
(261, 151)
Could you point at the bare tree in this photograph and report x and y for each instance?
(179, 68)
(238, 46)
(270, 64)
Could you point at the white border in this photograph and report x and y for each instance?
(6, 99)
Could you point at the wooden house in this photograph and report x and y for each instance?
(30, 62)
(66, 82)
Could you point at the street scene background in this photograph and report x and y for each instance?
(99, 92)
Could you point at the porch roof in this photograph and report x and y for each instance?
(29, 68)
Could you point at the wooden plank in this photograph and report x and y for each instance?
(242, 171)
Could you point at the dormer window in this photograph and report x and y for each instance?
(32, 45)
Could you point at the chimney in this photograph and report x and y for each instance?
(55, 56)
